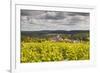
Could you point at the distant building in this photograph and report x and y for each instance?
(57, 38)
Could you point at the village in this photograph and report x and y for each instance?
(58, 38)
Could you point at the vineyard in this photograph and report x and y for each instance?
(54, 51)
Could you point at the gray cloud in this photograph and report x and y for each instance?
(77, 13)
(53, 20)
(53, 15)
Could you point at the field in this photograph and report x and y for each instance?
(47, 46)
(54, 47)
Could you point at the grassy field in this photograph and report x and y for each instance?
(54, 51)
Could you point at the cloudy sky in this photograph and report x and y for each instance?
(34, 20)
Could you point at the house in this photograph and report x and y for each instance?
(56, 38)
